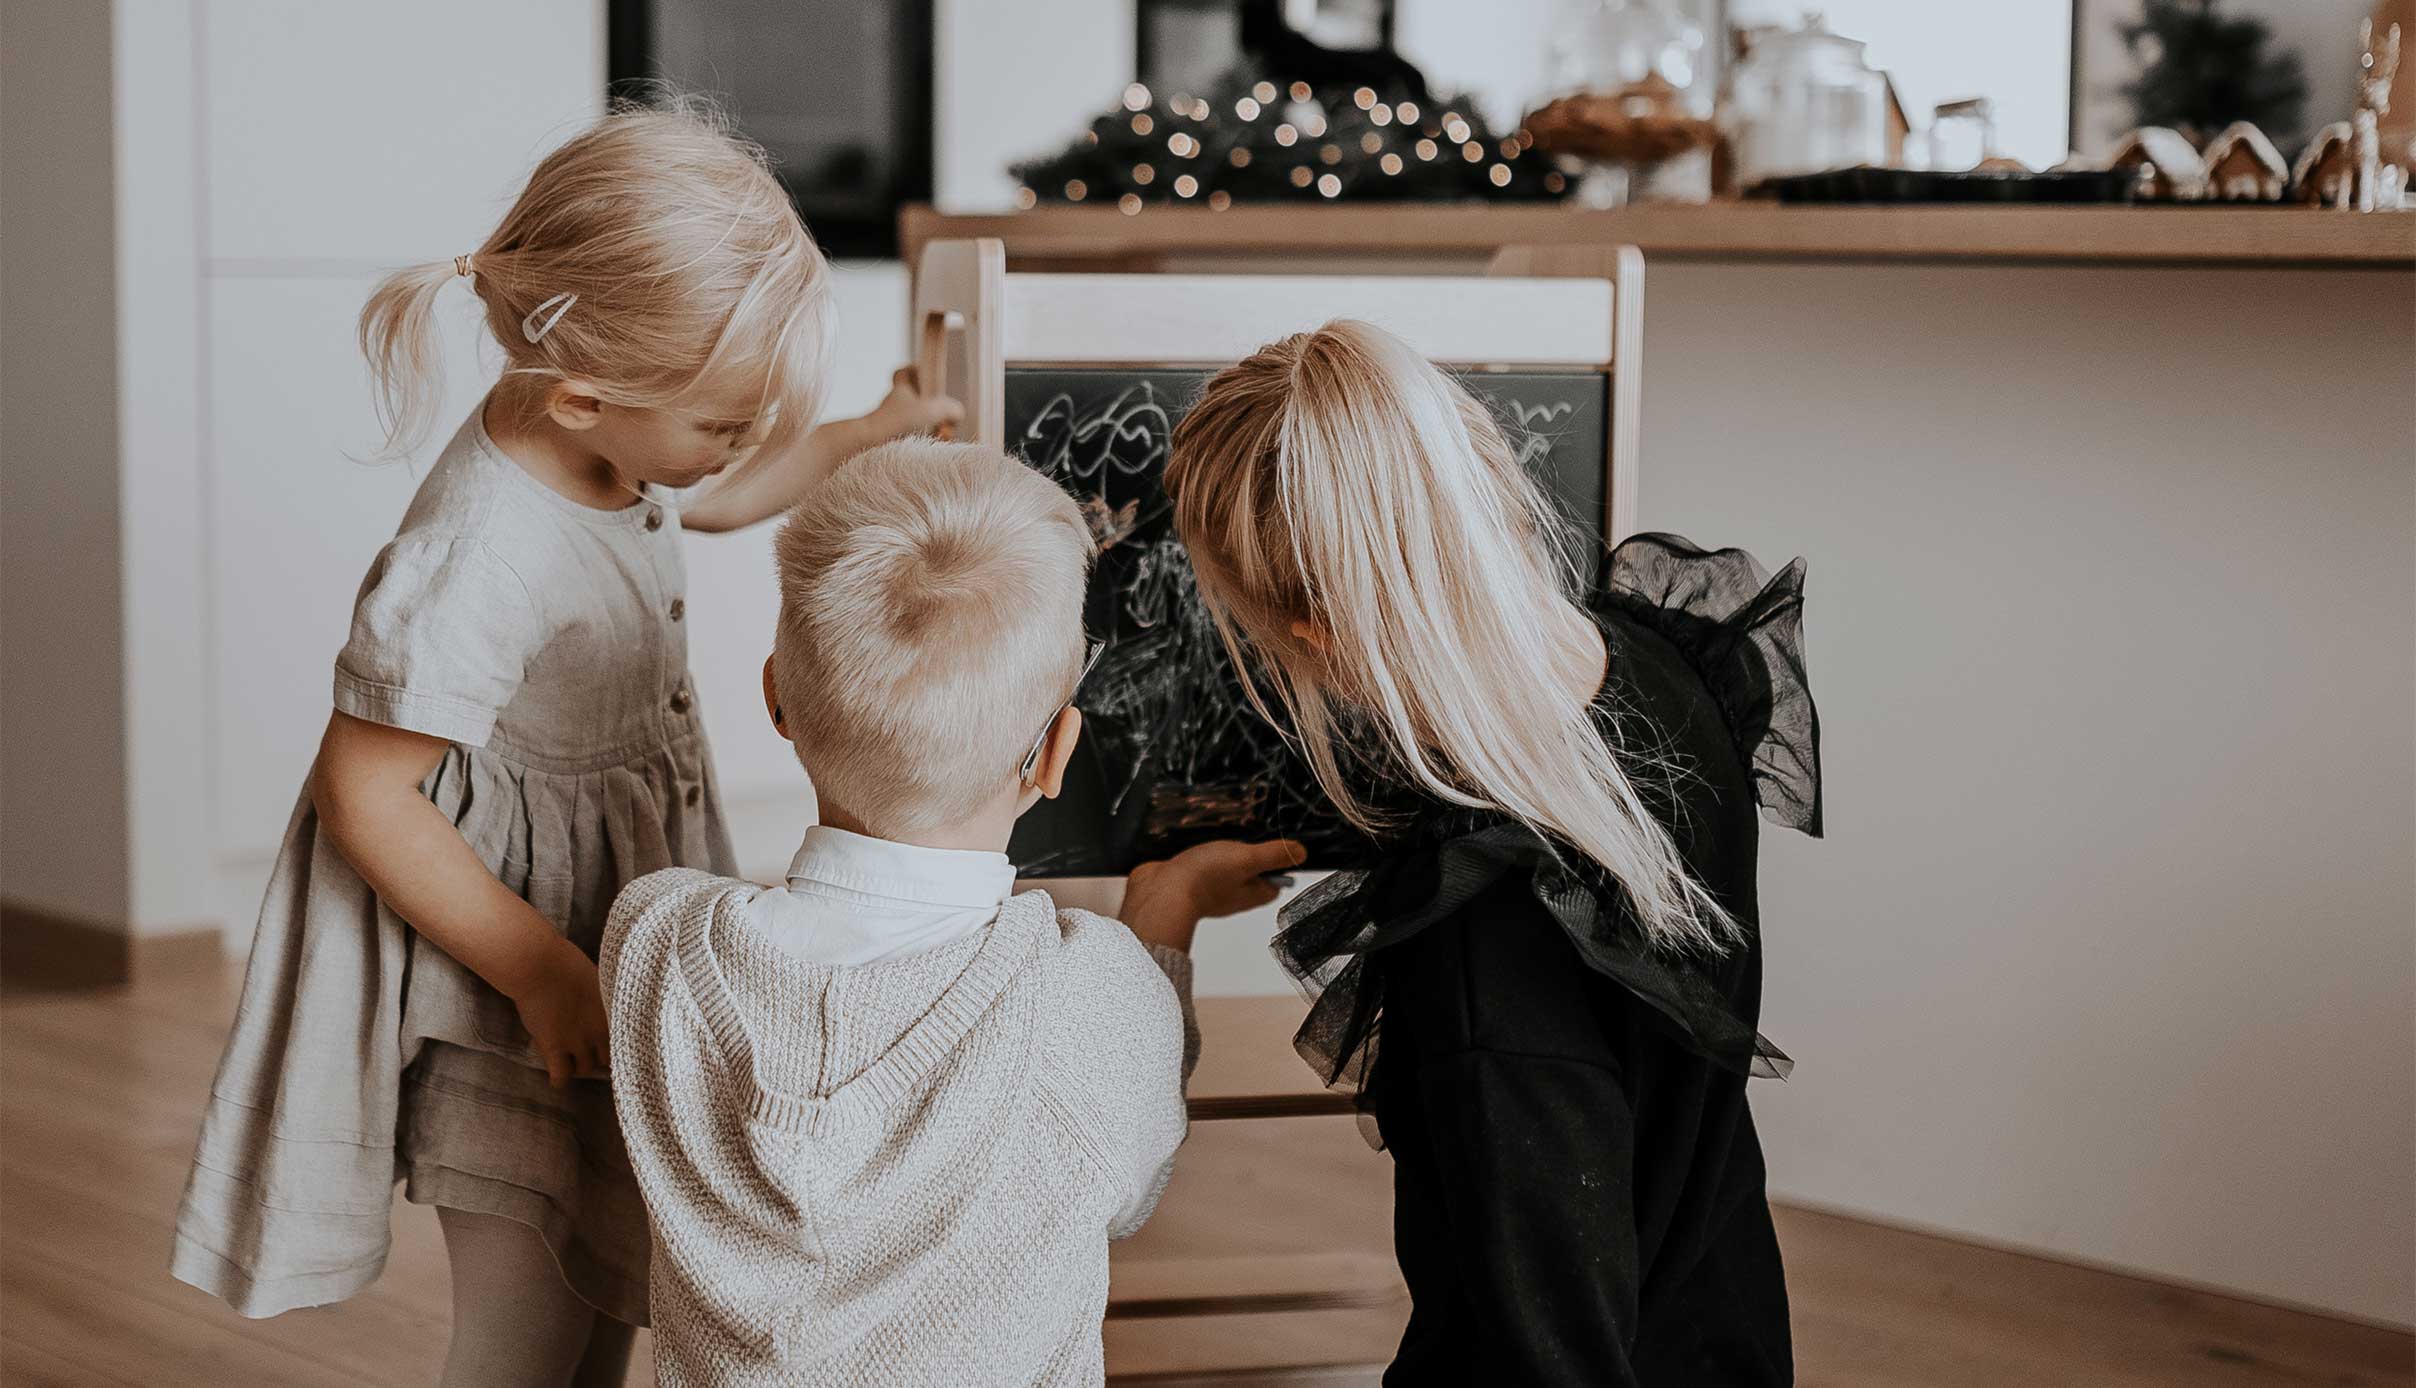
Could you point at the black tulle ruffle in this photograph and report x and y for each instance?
(1742, 634)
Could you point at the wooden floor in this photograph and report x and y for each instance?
(99, 1095)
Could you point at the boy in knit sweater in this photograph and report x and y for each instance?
(888, 1115)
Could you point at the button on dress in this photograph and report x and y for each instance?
(541, 639)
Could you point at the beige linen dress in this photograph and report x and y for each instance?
(545, 640)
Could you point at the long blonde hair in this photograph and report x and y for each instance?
(689, 266)
(1338, 478)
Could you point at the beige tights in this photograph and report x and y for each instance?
(516, 1322)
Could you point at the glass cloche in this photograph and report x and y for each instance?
(1634, 98)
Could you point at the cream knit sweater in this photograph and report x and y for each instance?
(903, 1172)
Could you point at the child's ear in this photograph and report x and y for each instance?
(1049, 775)
(771, 699)
(1310, 636)
(574, 405)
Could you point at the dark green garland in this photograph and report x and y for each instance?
(1229, 146)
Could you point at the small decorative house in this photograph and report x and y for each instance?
(2243, 166)
(2167, 165)
(2321, 178)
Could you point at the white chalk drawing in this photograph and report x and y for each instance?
(1180, 752)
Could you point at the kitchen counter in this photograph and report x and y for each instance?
(1063, 237)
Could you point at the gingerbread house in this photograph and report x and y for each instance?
(2321, 178)
(2166, 164)
(2243, 166)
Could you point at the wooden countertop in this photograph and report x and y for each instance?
(1101, 237)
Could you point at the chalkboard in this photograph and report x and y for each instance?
(1172, 753)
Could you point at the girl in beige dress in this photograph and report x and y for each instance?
(515, 737)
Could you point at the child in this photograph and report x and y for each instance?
(887, 1117)
(514, 737)
(1558, 931)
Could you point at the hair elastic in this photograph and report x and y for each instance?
(462, 266)
(535, 331)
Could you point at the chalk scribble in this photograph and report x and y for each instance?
(1179, 753)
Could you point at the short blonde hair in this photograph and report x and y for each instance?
(930, 624)
(691, 271)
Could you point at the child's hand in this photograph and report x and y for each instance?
(1227, 877)
(907, 410)
(564, 1013)
(1165, 902)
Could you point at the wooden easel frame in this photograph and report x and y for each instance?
(959, 296)
(970, 316)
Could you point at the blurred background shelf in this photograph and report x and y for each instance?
(1104, 238)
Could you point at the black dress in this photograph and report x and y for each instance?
(1578, 1187)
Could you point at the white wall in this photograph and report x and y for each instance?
(1017, 80)
(162, 484)
(63, 822)
(2018, 56)
(1499, 54)
(2110, 949)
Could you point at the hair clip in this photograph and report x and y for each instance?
(535, 331)
(462, 266)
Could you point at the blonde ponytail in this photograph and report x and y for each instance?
(398, 336)
(1339, 479)
(652, 257)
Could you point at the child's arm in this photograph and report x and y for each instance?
(768, 486)
(366, 788)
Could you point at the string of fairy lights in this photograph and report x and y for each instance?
(1260, 140)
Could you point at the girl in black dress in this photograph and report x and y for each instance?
(1556, 933)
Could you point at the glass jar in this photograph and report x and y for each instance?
(1610, 45)
(1802, 101)
(1962, 134)
(1652, 60)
